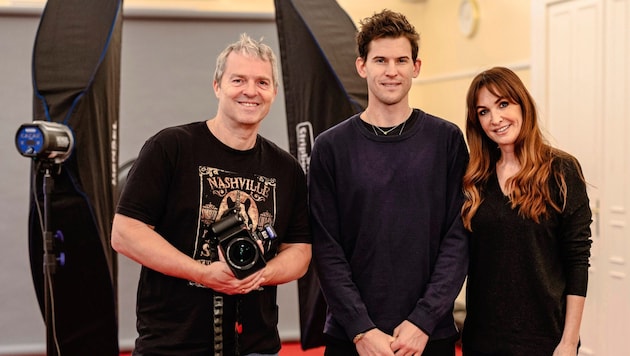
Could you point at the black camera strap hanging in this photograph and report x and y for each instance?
(217, 305)
(217, 323)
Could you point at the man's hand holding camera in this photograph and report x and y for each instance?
(219, 277)
(241, 257)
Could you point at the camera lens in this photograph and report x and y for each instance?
(242, 253)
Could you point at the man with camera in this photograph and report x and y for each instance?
(217, 216)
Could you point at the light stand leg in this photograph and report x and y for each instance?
(50, 267)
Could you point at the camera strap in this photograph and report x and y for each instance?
(218, 324)
(217, 307)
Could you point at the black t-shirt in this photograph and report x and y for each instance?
(183, 180)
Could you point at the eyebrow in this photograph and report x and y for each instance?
(383, 57)
(257, 77)
(499, 99)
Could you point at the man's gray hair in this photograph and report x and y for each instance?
(250, 47)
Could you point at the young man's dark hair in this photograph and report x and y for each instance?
(386, 23)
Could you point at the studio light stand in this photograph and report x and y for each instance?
(49, 144)
(51, 262)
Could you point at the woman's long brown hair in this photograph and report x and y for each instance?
(529, 187)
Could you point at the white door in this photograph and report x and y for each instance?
(615, 206)
(581, 56)
(574, 62)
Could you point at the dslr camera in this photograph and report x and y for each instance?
(239, 244)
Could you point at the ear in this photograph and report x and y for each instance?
(217, 88)
(360, 64)
(416, 67)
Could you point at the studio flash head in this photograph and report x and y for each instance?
(44, 140)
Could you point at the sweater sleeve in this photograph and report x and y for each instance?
(574, 230)
(335, 275)
(451, 266)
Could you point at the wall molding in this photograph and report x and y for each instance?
(469, 73)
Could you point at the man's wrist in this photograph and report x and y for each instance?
(358, 338)
(360, 335)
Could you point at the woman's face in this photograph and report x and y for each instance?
(500, 118)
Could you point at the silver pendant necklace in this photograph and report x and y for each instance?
(386, 132)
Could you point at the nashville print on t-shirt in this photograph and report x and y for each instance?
(221, 190)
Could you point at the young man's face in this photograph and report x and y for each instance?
(246, 90)
(388, 69)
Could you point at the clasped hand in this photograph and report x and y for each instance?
(408, 340)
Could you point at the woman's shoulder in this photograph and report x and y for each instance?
(564, 162)
(567, 172)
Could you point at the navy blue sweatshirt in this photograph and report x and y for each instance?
(388, 240)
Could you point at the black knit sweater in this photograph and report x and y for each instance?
(521, 272)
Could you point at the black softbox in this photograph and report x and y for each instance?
(76, 82)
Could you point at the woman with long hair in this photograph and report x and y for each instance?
(528, 212)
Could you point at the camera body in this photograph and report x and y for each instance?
(239, 244)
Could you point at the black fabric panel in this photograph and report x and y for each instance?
(334, 33)
(317, 52)
(76, 82)
(321, 88)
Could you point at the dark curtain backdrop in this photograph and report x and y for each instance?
(321, 88)
(76, 82)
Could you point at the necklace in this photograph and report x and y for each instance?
(387, 131)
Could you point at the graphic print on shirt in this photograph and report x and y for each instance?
(253, 195)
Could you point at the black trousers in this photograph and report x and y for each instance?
(440, 347)
(467, 351)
